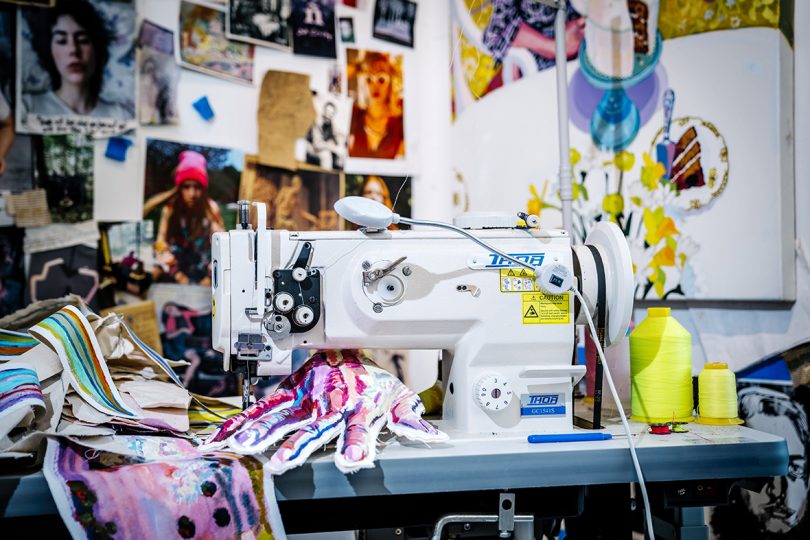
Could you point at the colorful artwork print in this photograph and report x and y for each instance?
(680, 212)
(69, 334)
(103, 494)
(334, 394)
(58, 272)
(89, 90)
(205, 47)
(376, 85)
(498, 42)
(187, 190)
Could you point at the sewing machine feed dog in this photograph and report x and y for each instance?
(507, 345)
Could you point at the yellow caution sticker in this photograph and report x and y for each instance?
(539, 308)
(517, 280)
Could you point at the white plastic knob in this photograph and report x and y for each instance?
(283, 302)
(303, 315)
(493, 392)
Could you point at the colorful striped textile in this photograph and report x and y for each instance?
(19, 387)
(13, 344)
(150, 353)
(69, 334)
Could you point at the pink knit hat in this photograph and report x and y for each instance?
(192, 166)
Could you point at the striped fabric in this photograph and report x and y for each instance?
(19, 387)
(150, 353)
(13, 344)
(69, 334)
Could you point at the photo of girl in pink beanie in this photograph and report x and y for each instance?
(188, 219)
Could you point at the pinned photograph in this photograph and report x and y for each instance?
(15, 150)
(159, 76)
(301, 200)
(392, 191)
(76, 70)
(262, 22)
(325, 143)
(313, 28)
(65, 171)
(187, 192)
(375, 82)
(394, 20)
(128, 255)
(204, 46)
(346, 25)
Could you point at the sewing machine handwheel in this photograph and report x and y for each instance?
(612, 245)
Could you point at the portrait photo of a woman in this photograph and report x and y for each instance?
(375, 83)
(385, 190)
(76, 64)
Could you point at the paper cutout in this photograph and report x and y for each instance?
(285, 114)
(30, 208)
(58, 236)
(203, 106)
(68, 333)
(117, 148)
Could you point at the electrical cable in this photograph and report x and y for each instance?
(647, 512)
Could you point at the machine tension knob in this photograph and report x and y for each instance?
(493, 392)
(303, 315)
(284, 302)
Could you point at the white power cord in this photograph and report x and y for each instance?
(647, 512)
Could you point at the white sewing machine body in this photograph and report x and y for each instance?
(509, 348)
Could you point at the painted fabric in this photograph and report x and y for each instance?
(13, 344)
(69, 334)
(334, 394)
(159, 490)
(19, 392)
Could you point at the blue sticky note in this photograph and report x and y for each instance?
(117, 148)
(204, 108)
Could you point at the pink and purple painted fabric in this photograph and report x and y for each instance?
(334, 394)
(103, 494)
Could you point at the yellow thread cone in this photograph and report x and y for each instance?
(661, 369)
(717, 396)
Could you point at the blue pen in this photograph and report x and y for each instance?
(569, 437)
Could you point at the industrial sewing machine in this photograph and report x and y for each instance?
(507, 333)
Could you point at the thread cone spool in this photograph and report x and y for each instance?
(661, 370)
(717, 396)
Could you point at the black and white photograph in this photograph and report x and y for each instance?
(394, 20)
(313, 28)
(325, 142)
(38, 3)
(76, 69)
(261, 22)
(159, 76)
(346, 26)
